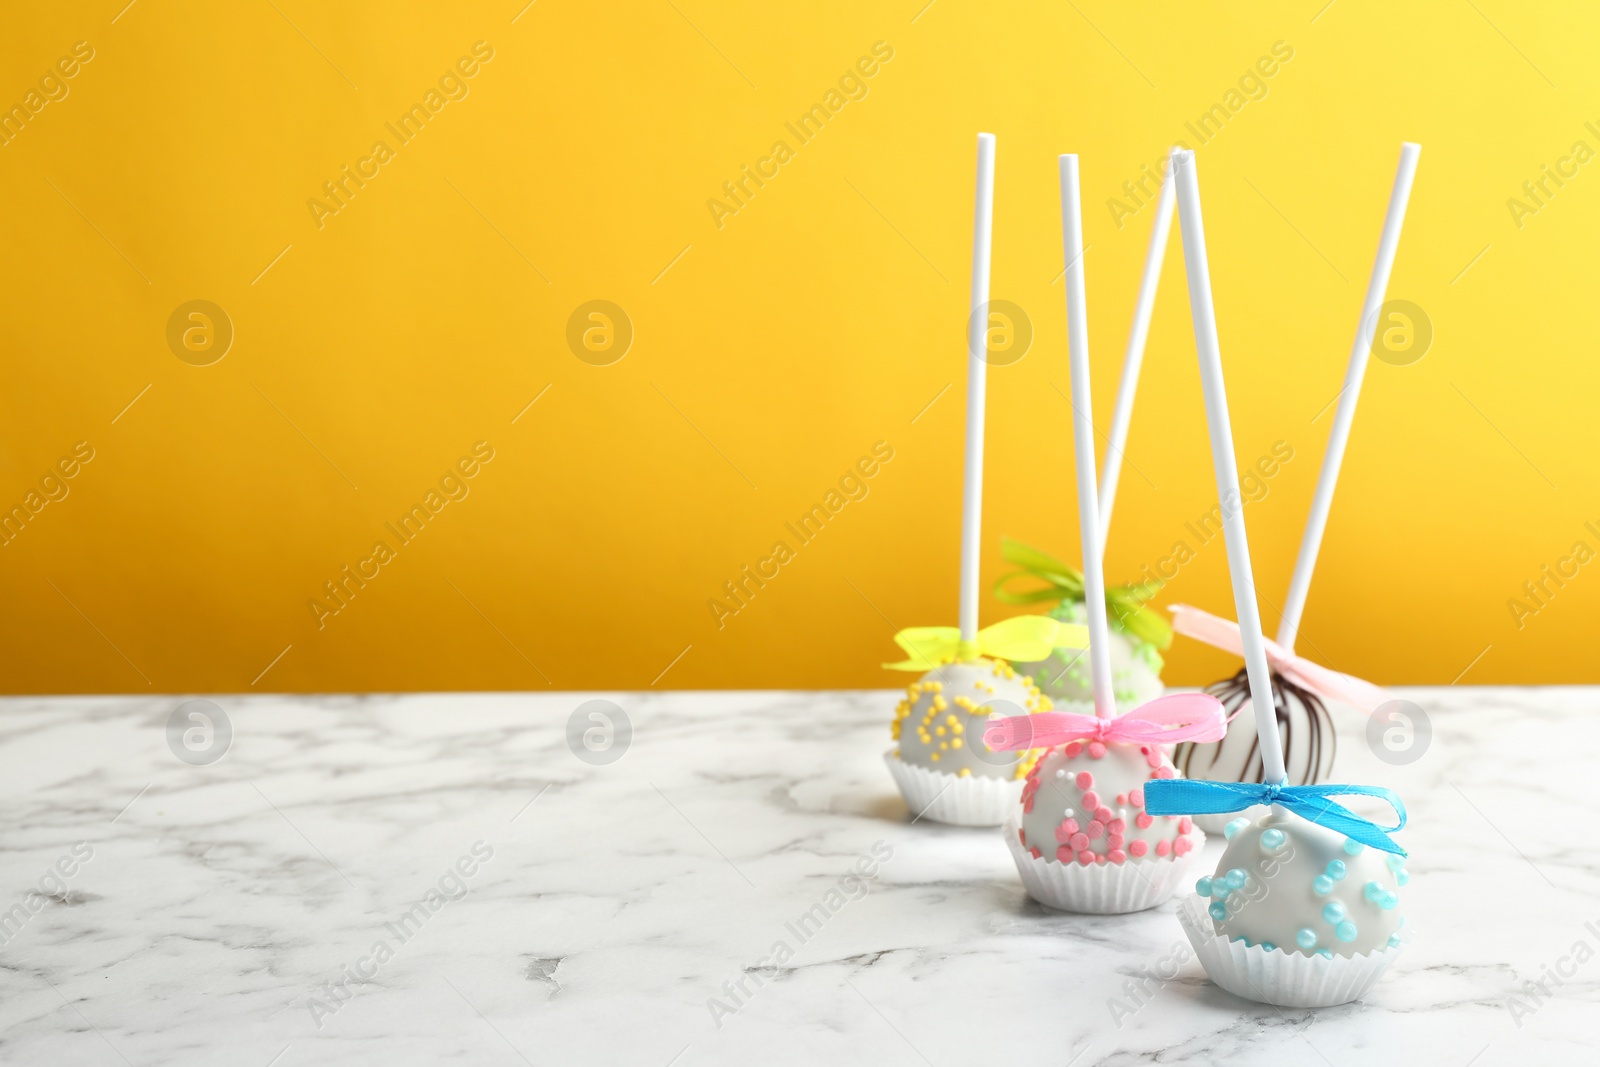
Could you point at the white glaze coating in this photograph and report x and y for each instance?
(1084, 803)
(1281, 895)
(1064, 674)
(939, 723)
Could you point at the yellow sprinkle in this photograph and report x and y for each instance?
(966, 772)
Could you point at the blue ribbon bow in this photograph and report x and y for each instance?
(1188, 796)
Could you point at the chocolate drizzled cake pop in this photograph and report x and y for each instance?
(1301, 689)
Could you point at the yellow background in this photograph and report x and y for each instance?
(821, 318)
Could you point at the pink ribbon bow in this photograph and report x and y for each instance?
(1332, 685)
(1163, 721)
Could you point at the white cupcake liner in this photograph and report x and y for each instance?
(949, 798)
(1286, 979)
(1104, 888)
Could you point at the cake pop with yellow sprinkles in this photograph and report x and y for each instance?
(940, 761)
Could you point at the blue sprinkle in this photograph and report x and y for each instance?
(1322, 884)
(1219, 911)
(1374, 892)
(1402, 877)
(1394, 940)
(1336, 870)
(1388, 901)
(1395, 861)
(1352, 846)
(1325, 953)
(1345, 931)
(1306, 938)
(1269, 946)
(1334, 911)
(1245, 941)
(1203, 887)
(1234, 827)
(1220, 890)
(1236, 878)
(1272, 839)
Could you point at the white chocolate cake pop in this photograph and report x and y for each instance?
(1286, 883)
(1303, 881)
(939, 723)
(1135, 666)
(1084, 803)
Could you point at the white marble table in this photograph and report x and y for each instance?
(220, 903)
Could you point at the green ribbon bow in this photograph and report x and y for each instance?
(1125, 603)
(1023, 639)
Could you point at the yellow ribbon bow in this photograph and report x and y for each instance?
(1125, 603)
(1023, 639)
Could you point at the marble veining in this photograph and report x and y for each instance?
(743, 885)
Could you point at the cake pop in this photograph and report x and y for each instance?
(1301, 910)
(1081, 840)
(1138, 634)
(1300, 689)
(941, 764)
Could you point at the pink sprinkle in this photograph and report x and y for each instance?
(1080, 842)
(1100, 858)
(1091, 800)
(1185, 825)
(1064, 854)
(1096, 829)
(1164, 772)
(1086, 857)
(1143, 820)
(1085, 780)
(1136, 797)
(1027, 805)
(1114, 840)
(1116, 855)
(1096, 751)
(1180, 846)
(1067, 828)
(1104, 814)
(1122, 798)
(1073, 749)
(1163, 847)
(1153, 758)
(1022, 838)
(1117, 826)
(1138, 848)
(1034, 853)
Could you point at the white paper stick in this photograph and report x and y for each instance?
(1094, 583)
(1225, 465)
(1317, 522)
(1122, 415)
(977, 329)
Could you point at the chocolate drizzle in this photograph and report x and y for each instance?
(1308, 758)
